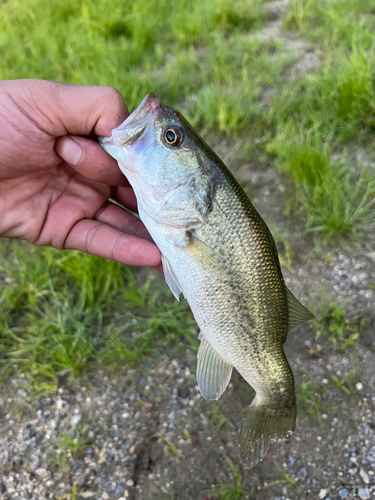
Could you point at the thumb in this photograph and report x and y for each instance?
(70, 114)
(61, 108)
(89, 159)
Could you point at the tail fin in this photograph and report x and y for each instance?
(262, 426)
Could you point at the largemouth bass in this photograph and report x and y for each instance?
(218, 252)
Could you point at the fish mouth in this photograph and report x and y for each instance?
(134, 125)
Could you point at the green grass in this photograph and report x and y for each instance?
(64, 450)
(333, 23)
(317, 117)
(333, 323)
(286, 480)
(170, 447)
(347, 383)
(135, 46)
(62, 312)
(236, 489)
(313, 399)
(219, 422)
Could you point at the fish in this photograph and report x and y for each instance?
(219, 253)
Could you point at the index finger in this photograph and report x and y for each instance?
(98, 238)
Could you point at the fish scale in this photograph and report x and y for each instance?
(216, 250)
(252, 314)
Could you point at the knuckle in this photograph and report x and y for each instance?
(114, 96)
(90, 238)
(116, 247)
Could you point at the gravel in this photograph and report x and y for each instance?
(147, 433)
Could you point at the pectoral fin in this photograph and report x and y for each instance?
(171, 278)
(205, 256)
(298, 314)
(213, 372)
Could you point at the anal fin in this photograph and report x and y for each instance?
(298, 314)
(213, 372)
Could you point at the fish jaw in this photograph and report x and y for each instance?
(128, 133)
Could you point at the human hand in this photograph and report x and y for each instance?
(55, 180)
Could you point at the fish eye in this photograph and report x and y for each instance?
(173, 136)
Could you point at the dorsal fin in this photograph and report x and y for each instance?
(298, 314)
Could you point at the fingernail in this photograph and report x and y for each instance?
(69, 150)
